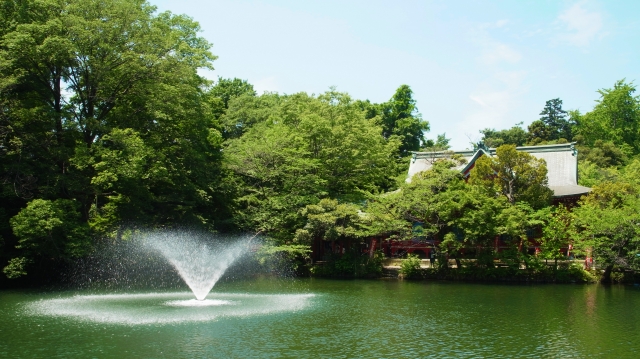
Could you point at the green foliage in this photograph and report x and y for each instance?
(400, 118)
(17, 267)
(351, 264)
(590, 174)
(440, 144)
(331, 221)
(553, 126)
(603, 154)
(513, 136)
(556, 233)
(48, 229)
(410, 266)
(227, 89)
(102, 105)
(518, 176)
(283, 257)
(309, 148)
(615, 118)
(607, 224)
(431, 198)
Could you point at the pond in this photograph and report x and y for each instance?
(304, 318)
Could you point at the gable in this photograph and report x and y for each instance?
(561, 160)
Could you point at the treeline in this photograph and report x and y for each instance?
(105, 125)
(507, 196)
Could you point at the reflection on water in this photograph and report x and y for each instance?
(324, 318)
(160, 308)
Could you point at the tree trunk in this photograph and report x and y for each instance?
(606, 276)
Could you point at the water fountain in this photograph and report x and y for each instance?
(200, 264)
(198, 259)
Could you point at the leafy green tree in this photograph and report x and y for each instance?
(615, 118)
(603, 154)
(227, 89)
(552, 126)
(332, 221)
(513, 136)
(518, 176)
(400, 117)
(442, 203)
(75, 71)
(440, 144)
(309, 148)
(556, 233)
(607, 223)
(513, 223)
(48, 229)
(102, 105)
(246, 111)
(590, 174)
(431, 199)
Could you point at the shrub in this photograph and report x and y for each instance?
(410, 267)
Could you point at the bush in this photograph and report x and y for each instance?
(410, 267)
(352, 264)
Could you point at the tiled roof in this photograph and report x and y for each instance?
(562, 165)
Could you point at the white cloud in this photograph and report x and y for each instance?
(582, 25)
(266, 84)
(494, 105)
(501, 23)
(493, 110)
(478, 100)
(495, 52)
(492, 51)
(494, 25)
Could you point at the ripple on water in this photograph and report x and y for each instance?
(158, 308)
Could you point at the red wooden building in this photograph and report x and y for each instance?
(562, 175)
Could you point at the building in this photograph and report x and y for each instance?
(562, 166)
(562, 176)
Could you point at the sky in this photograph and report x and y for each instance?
(471, 64)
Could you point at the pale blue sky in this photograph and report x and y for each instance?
(471, 64)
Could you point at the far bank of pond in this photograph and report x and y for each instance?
(566, 271)
(336, 319)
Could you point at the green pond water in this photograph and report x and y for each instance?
(312, 318)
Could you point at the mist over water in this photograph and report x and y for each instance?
(200, 263)
(128, 281)
(163, 259)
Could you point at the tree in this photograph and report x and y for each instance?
(400, 117)
(440, 144)
(308, 148)
(513, 136)
(556, 232)
(330, 220)
(47, 229)
(102, 105)
(603, 154)
(553, 126)
(615, 118)
(245, 111)
(81, 69)
(518, 176)
(607, 223)
(439, 201)
(430, 200)
(227, 89)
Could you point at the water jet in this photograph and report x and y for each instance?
(198, 258)
(199, 263)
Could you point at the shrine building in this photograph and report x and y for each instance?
(561, 160)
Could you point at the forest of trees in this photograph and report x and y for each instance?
(106, 125)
